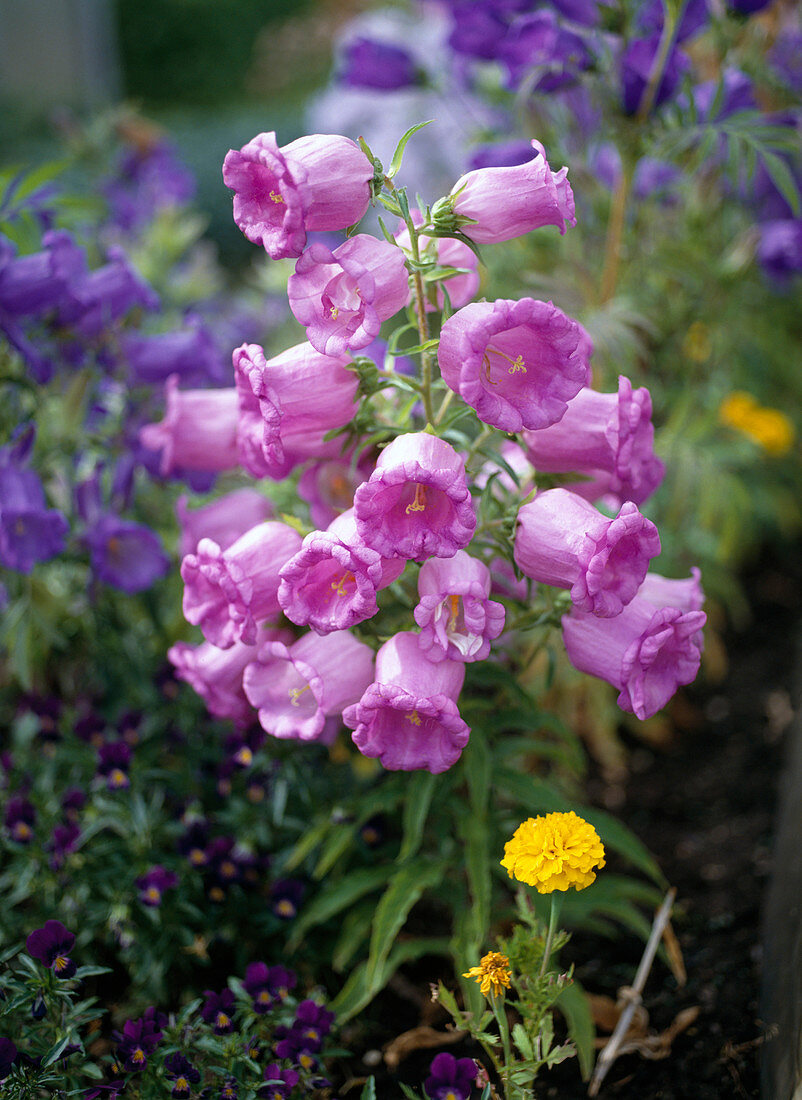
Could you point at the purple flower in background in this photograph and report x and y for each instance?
(268, 984)
(222, 520)
(286, 896)
(19, 819)
(541, 55)
(199, 430)
(51, 945)
(114, 760)
(695, 17)
(218, 1010)
(73, 800)
(779, 249)
(479, 29)
(747, 7)
(191, 353)
(182, 1073)
(99, 298)
(125, 554)
(148, 178)
(408, 716)
(30, 532)
(505, 154)
(279, 1082)
(637, 62)
(62, 842)
(737, 94)
(8, 1055)
(368, 63)
(450, 1078)
(785, 57)
(416, 503)
(153, 883)
(457, 619)
(36, 284)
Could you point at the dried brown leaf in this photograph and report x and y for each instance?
(418, 1038)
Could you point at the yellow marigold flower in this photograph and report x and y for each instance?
(554, 852)
(492, 973)
(769, 428)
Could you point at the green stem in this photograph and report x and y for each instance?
(423, 324)
(658, 65)
(553, 915)
(504, 1032)
(443, 407)
(615, 234)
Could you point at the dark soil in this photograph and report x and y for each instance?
(705, 804)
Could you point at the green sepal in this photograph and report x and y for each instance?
(398, 155)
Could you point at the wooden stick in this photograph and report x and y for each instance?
(632, 995)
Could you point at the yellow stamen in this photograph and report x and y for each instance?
(414, 718)
(335, 313)
(296, 693)
(339, 586)
(517, 364)
(419, 503)
(452, 619)
(276, 197)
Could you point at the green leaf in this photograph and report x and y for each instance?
(523, 1042)
(405, 888)
(333, 899)
(369, 1091)
(416, 810)
(334, 848)
(354, 934)
(575, 1007)
(398, 155)
(407, 1091)
(782, 178)
(473, 831)
(56, 1051)
(308, 842)
(91, 971)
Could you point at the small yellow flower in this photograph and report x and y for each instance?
(769, 428)
(554, 852)
(492, 973)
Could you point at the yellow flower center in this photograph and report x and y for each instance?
(413, 717)
(419, 503)
(296, 693)
(276, 197)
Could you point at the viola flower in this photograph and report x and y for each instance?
(8, 1055)
(559, 851)
(342, 297)
(456, 616)
(224, 865)
(296, 688)
(153, 883)
(257, 985)
(126, 555)
(73, 800)
(114, 761)
(561, 539)
(311, 1025)
(63, 841)
(285, 896)
(499, 204)
(138, 1039)
(229, 1091)
(603, 432)
(416, 503)
(517, 363)
(492, 975)
(636, 68)
(218, 1009)
(222, 520)
(645, 652)
(321, 181)
(182, 1073)
(19, 819)
(408, 716)
(331, 583)
(779, 249)
(227, 593)
(450, 1078)
(193, 843)
(199, 430)
(51, 945)
(448, 252)
(279, 1082)
(288, 403)
(369, 63)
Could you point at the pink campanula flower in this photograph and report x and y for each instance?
(287, 404)
(408, 717)
(343, 296)
(504, 203)
(563, 540)
(456, 616)
(222, 520)
(416, 503)
(228, 592)
(199, 430)
(647, 652)
(449, 252)
(295, 688)
(517, 363)
(321, 181)
(328, 486)
(331, 583)
(603, 433)
(685, 593)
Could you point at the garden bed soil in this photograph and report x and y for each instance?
(705, 804)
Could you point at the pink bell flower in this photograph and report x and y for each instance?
(561, 539)
(408, 716)
(517, 363)
(296, 688)
(507, 202)
(328, 486)
(416, 503)
(222, 520)
(607, 433)
(216, 674)
(646, 652)
(199, 430)
(321, 181)
(684, 593)
(287, 404)
(449, 252)
(343, 296)
(457, 618)
(331, 583)
(227, 593)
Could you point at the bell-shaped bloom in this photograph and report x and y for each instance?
(637, 63)
(343, 296)
(416, 503)
(124, 554)
(646, 652)
(99, 298)
(503, 203)
(222, 520)
(779, 249)
(561, 539)
(35, 284)
(457, 618)
(685, 593)
(331, 583)
(199, 430)
(449, 252)
(287, 404)
(370, 63)
(227, 593)
(541, 55)
(408, 717)
(603, 432)
(191, 353)
(517, 363)
(295, 688)
(30, 532)
(321, 181)
(328, 486)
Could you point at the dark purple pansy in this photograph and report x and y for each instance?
(51, 945)
(279, 1082)
(114, 760)
(368, 63)
(182, 1073)
(62, 842)
(8, 1054)
(218, 1010)
(153, 883)
(19, 819)
(138, 1039)
(285, 896)
(747, 7)
(193, 843)
(126, 555)
(450, 1077)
